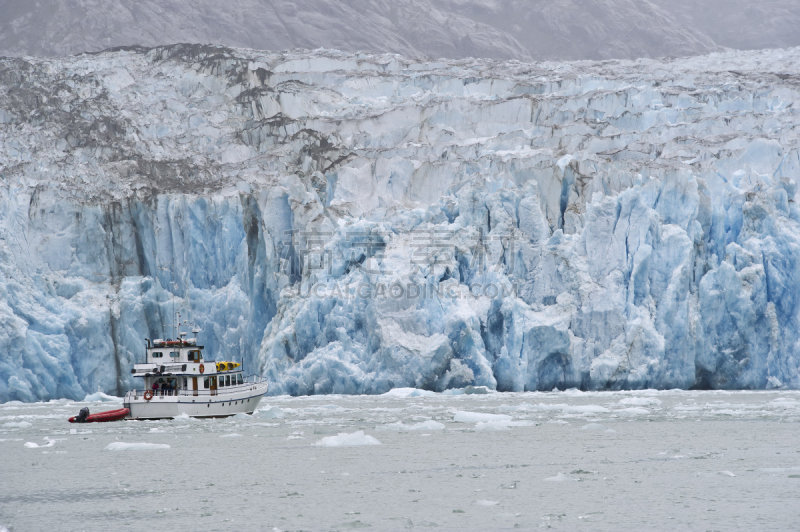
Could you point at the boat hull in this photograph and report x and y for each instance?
(101, 417)
(241, 401)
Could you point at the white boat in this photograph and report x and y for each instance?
(178, 380)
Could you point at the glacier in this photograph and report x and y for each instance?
(353, 223)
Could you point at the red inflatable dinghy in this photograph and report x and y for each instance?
(111, 415)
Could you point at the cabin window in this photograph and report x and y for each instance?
(227, 380)
(157, 354)
(185, 385)
(221, 381)
(174, 354)
(206, 383)
(240, 378)
(194, 355)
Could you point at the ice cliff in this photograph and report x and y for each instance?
(352, 223)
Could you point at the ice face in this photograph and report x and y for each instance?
(357, 223)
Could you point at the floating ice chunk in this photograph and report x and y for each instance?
(551, 407)
(476, 390)
(138, 446)
(31, 445)
(484, 502)
(454, 391)
(783, 402)
(585, 409)
(593, 426)
(778, 469)
(424, 425)
(344, 439)
(727, 473)
(561, 477)
(478, 417)
(640, 401)
(231, 435)
(97, 397)
(633, 411)
(408, 392)
(270, 413)
(16, 424)
(501, 425)
(186, 417)
(490, 426)
(515, 408)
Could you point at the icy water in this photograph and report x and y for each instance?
(569, 461)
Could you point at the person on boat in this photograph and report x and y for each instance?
(155, 387)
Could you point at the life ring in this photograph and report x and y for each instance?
(148, 395)
(202, 368)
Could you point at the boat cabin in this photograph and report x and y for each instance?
(171, 351)
(170, 384)
(176, 367)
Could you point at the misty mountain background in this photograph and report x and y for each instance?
(501, 29)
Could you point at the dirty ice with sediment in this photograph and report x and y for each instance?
(594, 225)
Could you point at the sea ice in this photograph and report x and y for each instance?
(270, 413)
(640, 401)
(408, 392)
(485, 502)
(491, 426)
(101, 397)
(593, 426)
(423, 425)
(477, 417)
(561, 477)
(138, 446)
(633, 411)
(16, 424)
(344, 439)
(32, 445)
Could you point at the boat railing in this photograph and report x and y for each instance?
(251, 383)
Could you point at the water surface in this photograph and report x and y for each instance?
(565, 460)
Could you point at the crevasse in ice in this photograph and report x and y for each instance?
(354, 223)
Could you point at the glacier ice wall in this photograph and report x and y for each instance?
(352, 223)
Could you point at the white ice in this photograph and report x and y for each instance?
(136, 446)
(344, 439)
(585, 242)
